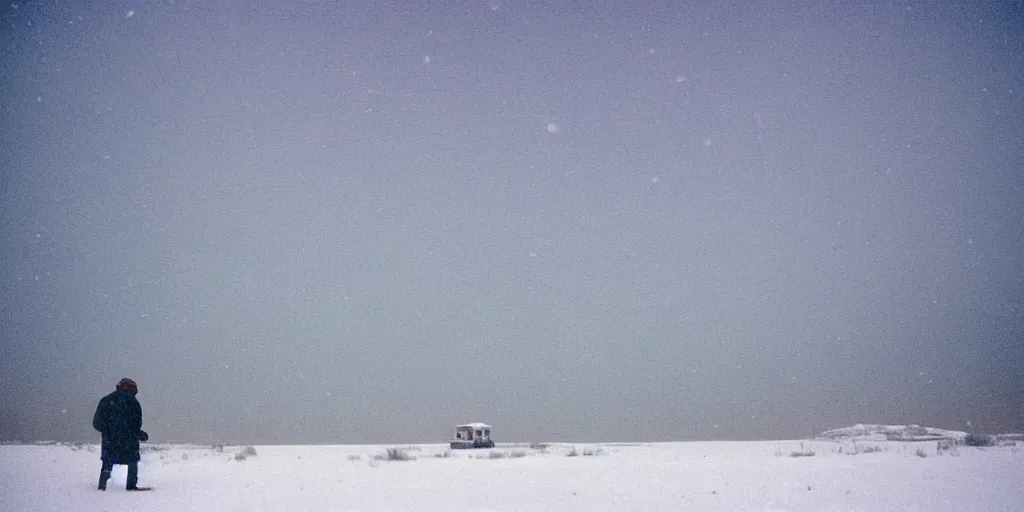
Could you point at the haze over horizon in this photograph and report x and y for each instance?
(330, 222)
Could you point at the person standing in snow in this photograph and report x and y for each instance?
(119, 418)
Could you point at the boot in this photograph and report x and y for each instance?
(104, 476)
(132, 482)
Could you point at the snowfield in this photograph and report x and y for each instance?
(819, 475)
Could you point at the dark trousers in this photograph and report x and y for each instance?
(133, 475)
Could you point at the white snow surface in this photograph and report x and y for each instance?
(699, 476)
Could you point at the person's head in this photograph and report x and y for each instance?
(127, 384)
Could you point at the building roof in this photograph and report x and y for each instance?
(473, 425)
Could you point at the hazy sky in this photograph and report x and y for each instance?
(318, 221)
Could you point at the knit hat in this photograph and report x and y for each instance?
(127, 384)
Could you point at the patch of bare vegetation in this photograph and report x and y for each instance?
(394, 454)
(979, 440)
(585, 452)
(949, 446)
(858, 448)
(870, 448)
(501, 454)
(802, 452)
(245, 453)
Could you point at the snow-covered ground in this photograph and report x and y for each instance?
(820, 475)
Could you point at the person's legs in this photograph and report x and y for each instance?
(105, 474)
(133, 476)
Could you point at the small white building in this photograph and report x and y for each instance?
(472, 435)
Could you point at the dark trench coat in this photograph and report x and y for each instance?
(119, 418)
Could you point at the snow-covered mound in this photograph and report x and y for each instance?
(892, 433)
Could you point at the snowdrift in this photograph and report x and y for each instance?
(892, 433)
(809, 475)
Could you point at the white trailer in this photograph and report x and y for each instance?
(472, 435)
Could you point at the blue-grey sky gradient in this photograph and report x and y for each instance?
(354, 222)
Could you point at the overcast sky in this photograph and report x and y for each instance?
(318, 221)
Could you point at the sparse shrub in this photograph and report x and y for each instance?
(947, 445)
(586, 452)
(446, 455)
(868, 448)
(921, 453)
(355, 457)
(516, 454)
(979, 440)
(245, 453)
(541, 447)
(496, 455)
(393, 454)
(802, 452)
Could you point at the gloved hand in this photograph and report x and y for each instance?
(143, 436)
